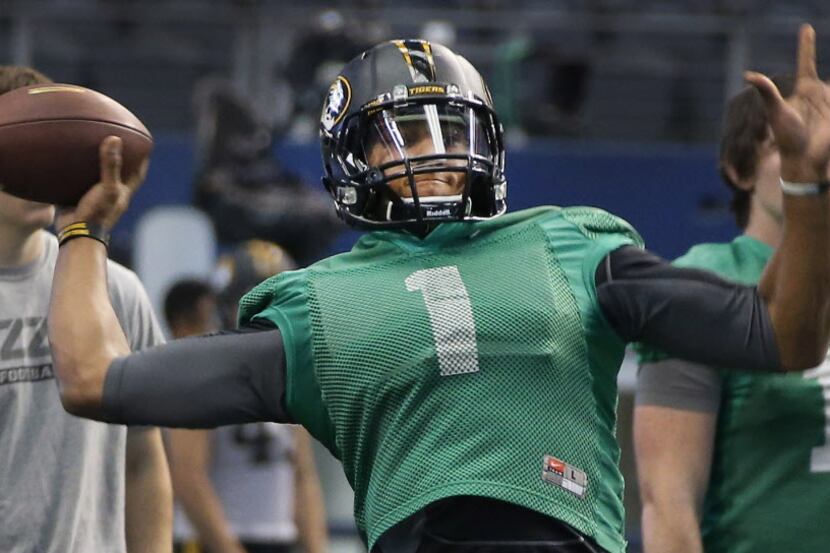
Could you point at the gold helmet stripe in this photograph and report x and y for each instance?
(421, 69)
(404, 52)
(428, 51)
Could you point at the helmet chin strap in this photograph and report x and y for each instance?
(433, 207)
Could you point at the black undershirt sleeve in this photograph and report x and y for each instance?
(201, 382)
(688, 313)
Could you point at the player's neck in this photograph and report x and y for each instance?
(423, 230)
(19, 247)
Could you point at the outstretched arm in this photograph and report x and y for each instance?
(690, 313)
(84, 332)
(784, 324)
(237, 377)
(795, 284)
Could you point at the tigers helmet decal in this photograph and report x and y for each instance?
(337, 103)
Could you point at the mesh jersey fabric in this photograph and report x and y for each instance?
(454, 364)
(771, 458)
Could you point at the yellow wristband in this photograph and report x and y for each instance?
(82, 229)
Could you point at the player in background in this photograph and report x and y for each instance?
(462, 366)
(249, 487)
(67, 485)
(731, 461)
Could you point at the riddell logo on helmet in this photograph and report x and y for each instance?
(438, 212)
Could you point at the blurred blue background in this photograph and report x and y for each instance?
(670, 193)
(610, 103)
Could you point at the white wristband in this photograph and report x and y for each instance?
(804, 188)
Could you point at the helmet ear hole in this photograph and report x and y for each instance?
(480, 196)
(374, 177)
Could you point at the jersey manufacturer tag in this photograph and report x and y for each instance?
(560, 473)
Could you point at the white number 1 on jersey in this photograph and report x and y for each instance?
(820, 456)
(450, 316)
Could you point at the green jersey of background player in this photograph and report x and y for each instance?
(462, 366)
(730, 460)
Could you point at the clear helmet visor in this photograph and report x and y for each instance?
(428, 137)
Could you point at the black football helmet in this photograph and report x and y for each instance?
(407, 108)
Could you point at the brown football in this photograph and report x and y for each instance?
(49, 139)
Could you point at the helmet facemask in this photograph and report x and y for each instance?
(449, 148)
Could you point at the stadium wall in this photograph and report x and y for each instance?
(670, 193)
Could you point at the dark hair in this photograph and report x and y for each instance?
(745, 127)
(182, 298)
(16, 76)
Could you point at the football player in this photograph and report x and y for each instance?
(694, 424)
(461, 362)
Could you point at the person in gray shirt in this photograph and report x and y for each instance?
(67, 485)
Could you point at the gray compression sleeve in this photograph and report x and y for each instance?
(679, 384)
(200, 382)
(688, 313)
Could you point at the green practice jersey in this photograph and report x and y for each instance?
(769, 489)
(474, 361)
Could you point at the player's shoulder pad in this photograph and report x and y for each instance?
(594, 223)
(267, 292)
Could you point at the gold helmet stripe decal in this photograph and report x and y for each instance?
(418, 57)
(428, 51)
(405, 53)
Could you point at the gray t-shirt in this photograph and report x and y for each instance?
(61, 477)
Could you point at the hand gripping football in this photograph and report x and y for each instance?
(49, 139)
